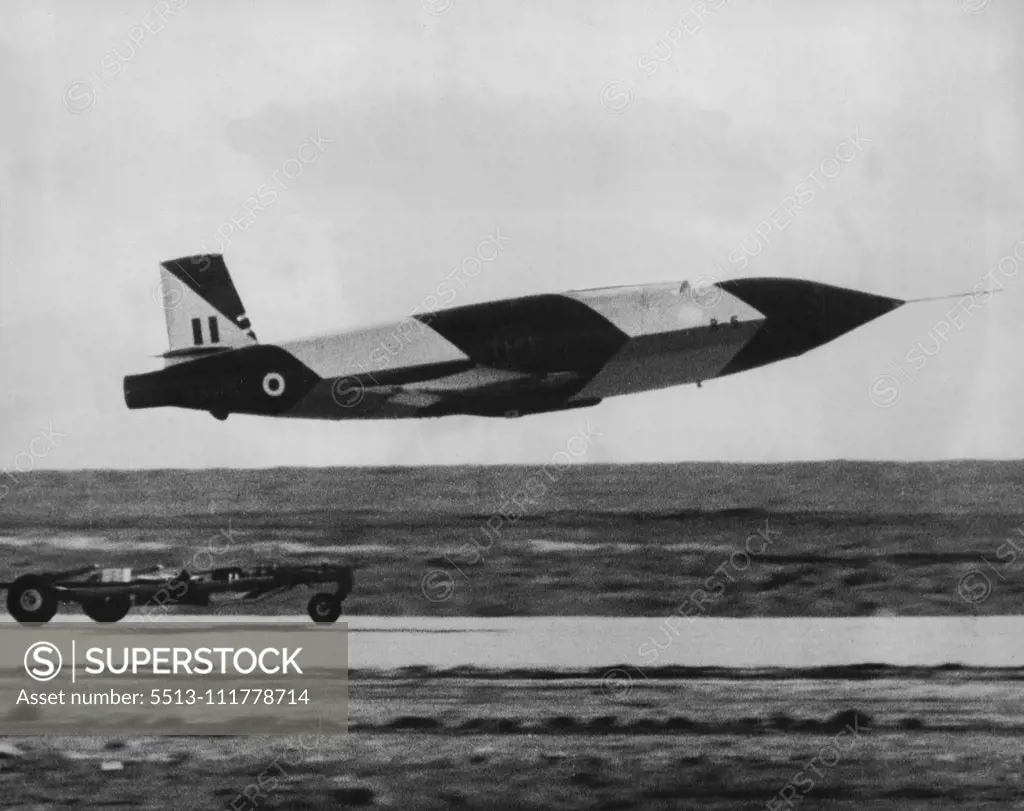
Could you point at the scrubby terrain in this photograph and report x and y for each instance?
(848, 539)
(855, 738)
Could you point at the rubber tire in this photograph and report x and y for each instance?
(324, 608)
(46, 595)
(108, 609)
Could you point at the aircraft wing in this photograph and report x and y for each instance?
(486, 391)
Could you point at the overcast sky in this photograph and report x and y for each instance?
(611, 144)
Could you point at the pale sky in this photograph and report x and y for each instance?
(436, 129)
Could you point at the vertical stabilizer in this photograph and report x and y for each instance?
(203, 311)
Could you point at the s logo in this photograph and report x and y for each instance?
(43, 661)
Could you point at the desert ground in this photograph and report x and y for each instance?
(856, 739)
(848, 539)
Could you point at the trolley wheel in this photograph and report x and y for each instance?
(111, 608)
(324, 607)
(32, 600)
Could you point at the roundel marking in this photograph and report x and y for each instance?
(273, 384)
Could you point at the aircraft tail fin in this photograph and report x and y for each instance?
(203, 311)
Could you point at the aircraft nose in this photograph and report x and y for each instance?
(800, 316)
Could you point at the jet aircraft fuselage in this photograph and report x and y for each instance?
(505, 358)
